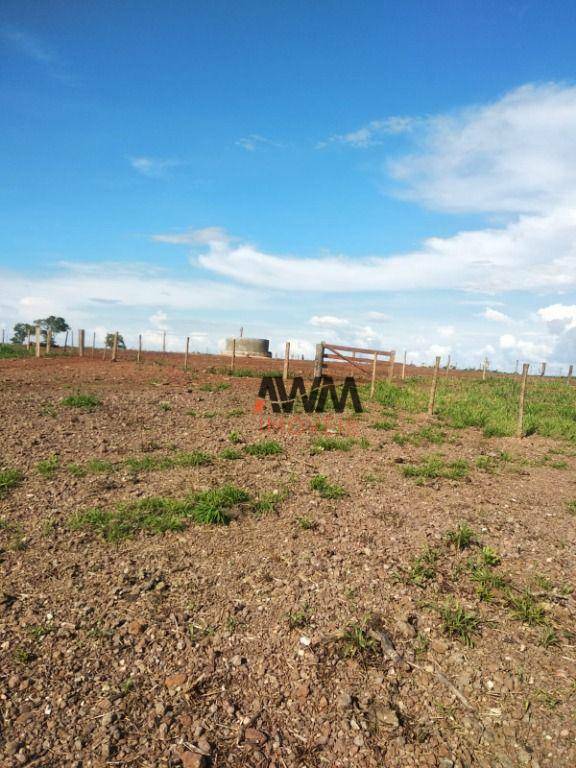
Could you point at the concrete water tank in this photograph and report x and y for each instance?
(249, 347)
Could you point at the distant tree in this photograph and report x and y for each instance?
(21, 331)
(110, 341)
(54, 324)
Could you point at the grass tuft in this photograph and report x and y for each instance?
(158, 515)
(322, 443)
(326, 489)
(82, 400)
(458, 622)
(264, 448)
(434, 466)
(9, 478)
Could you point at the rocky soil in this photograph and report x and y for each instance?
(304, 633)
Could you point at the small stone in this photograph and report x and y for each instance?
(405, 629)
(175, 681)
(137, 626)
(344, 701)
(253, 736)
(237, 661)
(108, 719)
(193, 760)
(386, 716)
(204, 746)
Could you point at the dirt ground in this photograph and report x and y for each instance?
(295, 637)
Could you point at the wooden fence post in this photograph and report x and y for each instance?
(520, 428)
(66, 341)
(81, 343)
(433, 387)
(373, 382)
(516, 368)
(93, 343)
(542, 369)
(164, 342)
(319, 360)
(48, 340)
(233, 358)
(404, 366)
(114, 347)
(28, 341)
(37, 340)
(286, 361)
(448, 365)
(391, 367)
(139, 353)
(186, 351)
(484, 368)
(570, 369)
(71, 341)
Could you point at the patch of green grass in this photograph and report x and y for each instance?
(300, 618)
(100, 465)
(306, 523)
(326, 489)
(423, 568)
(231, 454)
(235, 412)
(8, 351)
(82, 400)
(462, 538)
(423, 436)
(9, 478)
(435, 466)
(459, 622)
(219, 387)
(549, 638)
(357, 642)
(267, 502)
(158, 515)
(48, 467)
(571, 505)
(525, 608)
(165, 407)
(384, 425)
(264, 448)
(490, 557)
(234, 437)
(328, 443)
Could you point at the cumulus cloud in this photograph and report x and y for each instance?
(494, 315)
(379, 316)
(560, 320)
(531, 253)
(160, 320)
(516, 155)
(328, 321)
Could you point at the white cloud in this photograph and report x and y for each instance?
(494, 315)
(560, 321)
(446, 330)
(328, 321)
(37, 51)
(379, 316)
(255, 141)
(160, 320)
(516, 155)
(153, 167)
(372, 133)
(532, 253)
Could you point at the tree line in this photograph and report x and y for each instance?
(56, 325)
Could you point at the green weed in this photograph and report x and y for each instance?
(326, 489)
(9, 478)
(264, 448)
(82, 400)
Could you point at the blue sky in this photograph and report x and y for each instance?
(397, 174)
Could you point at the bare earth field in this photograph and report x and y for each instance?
(377, 619)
